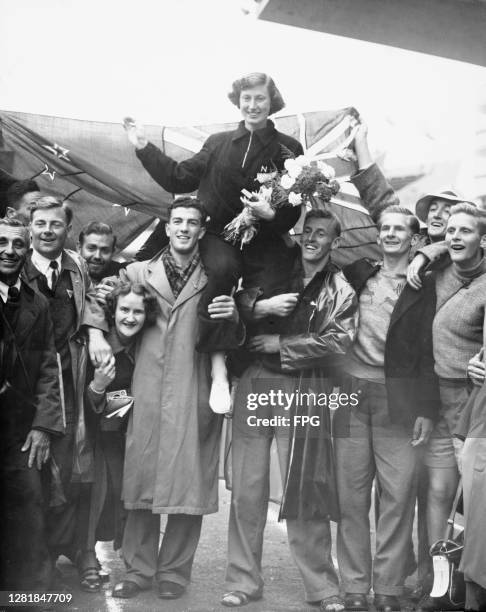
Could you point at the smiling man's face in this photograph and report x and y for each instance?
(13, 249)
(49, 229)
(437, 217)
(318, 239)
(184, 229)
(395, 235)
(463, 239)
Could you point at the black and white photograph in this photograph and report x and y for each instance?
(243, 305)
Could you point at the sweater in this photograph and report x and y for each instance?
(459, 321)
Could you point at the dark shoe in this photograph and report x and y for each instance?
(431, 604)
(356, 601)
(422, 589)
(104, 575)
(126, 589)
(170, 590)
(386, 603)
(89, 577)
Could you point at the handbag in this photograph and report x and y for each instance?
(118, 403)
(449, 585)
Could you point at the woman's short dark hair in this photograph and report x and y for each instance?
(124, 288)
(253, 80)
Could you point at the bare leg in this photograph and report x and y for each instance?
(442, 488)
(220, 397)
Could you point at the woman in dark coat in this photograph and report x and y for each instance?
(228, 163)
(129, 308)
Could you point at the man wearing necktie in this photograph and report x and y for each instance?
(30, 415)
(62, 277)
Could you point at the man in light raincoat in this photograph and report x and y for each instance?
(172, 446)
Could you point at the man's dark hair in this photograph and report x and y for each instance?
(97, 227)
(325, 214)
(49, 202)
(189, 202)
(18, 189)
(413, 222)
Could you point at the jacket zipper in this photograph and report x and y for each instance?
(247, 149)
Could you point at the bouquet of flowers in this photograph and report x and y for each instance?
(298, 184)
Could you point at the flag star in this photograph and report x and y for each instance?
(58, 151)
(48, 173)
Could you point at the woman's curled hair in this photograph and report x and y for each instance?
(124, 288)
(253, 80)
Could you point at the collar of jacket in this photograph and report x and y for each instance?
(116, 345)
(27, 288)
(358, 272)
(32, 272)
(298, 273)
(266, 134)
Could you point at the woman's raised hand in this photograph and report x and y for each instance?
(135, 133)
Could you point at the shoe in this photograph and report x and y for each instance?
(170, 590)
(89, 577)
(355, 601)
(334, 603)
(432, 604)
(126, 589)
(104, 575)
(235, 599)
(421, 590)
(386, 603)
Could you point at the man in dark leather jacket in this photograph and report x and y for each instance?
(297, 335)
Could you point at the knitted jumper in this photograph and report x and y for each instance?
(459, 320)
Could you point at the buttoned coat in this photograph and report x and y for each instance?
(172, 445)
(33, 399)
(88, 314)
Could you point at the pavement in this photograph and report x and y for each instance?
(283, 588)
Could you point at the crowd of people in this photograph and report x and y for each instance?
(116, 379)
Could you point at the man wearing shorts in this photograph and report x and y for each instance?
(458, 329)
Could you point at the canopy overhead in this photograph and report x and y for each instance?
(452, 29)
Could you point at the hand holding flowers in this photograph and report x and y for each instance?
(300, 183)
(259, 203)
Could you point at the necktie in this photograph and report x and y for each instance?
(54, 274)
(13, 295)
(12, 305)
